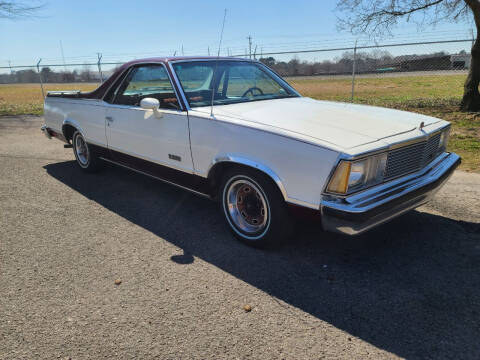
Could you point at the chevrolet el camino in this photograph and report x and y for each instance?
(233, 130)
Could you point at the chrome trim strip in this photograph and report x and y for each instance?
(127, 73)
(178, 168)
(266, 170)
(302, 203)
(213, 58)
(180, 88)
(279, 78)
(74, 124)
(381, 195)
(398, 144)
(113, 83)
(109, 147)
(89, 141)
(417, 140)
(352, 202)
(141, 64)
(252, 164)
(394, 146)
(266, 68)
(157, 178)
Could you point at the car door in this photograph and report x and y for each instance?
(141, 136)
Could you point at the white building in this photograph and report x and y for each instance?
(461, 61)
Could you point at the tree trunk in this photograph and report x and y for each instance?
(471, 95)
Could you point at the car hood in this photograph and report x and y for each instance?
(341, 124)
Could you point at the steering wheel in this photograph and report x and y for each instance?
(251, 91)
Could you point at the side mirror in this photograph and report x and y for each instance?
(151, 104)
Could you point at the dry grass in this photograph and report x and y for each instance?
(19, 99)
(383, 90)
(437, 96)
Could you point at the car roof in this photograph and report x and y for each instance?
(182, 58)
(101, 91)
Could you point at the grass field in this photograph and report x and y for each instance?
(437, 96)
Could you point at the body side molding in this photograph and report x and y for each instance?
(251, 163)
(266, 170)
(74, 124)
(181, 179)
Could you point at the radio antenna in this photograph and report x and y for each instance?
(216, 62)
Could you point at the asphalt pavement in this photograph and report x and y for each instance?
(118, 265)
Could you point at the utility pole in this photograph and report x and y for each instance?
(12, 76)
(183, 54)
(209, 51)
(63, 56)
(249, 37)
(99, 64)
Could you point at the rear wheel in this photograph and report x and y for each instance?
(254, 208)
(86, 157)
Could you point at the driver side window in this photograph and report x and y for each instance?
(147, 81)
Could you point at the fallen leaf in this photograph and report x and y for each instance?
(118, 282)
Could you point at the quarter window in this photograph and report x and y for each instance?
(147, 81)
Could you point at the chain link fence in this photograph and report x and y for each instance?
(350, 70)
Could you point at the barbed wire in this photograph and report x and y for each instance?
(108, 59)
(322, 42)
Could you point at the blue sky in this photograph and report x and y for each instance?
(123, 30)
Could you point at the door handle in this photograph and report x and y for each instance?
(109, 118)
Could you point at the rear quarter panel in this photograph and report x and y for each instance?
(302, 168)
(87, 115)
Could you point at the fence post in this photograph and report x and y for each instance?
(354, 69)
(99, 55)
(40, 77)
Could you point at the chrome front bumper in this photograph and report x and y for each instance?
(360, 212)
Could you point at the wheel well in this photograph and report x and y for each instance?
(217, 171)
(68, 131)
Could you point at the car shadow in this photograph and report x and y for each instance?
(410, 287)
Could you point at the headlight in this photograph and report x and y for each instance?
(442, 144)
(351, 176)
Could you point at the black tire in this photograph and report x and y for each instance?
(87, 159)
(261, 218)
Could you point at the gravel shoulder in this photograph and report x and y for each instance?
(409, 289)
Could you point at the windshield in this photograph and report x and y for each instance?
(232, 82)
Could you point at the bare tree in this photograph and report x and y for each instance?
(19, 9)
(378, 17)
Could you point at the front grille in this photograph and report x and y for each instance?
(411, 158)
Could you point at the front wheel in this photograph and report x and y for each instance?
(254, 208)
(86, 157)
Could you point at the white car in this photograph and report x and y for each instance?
(234, 131)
